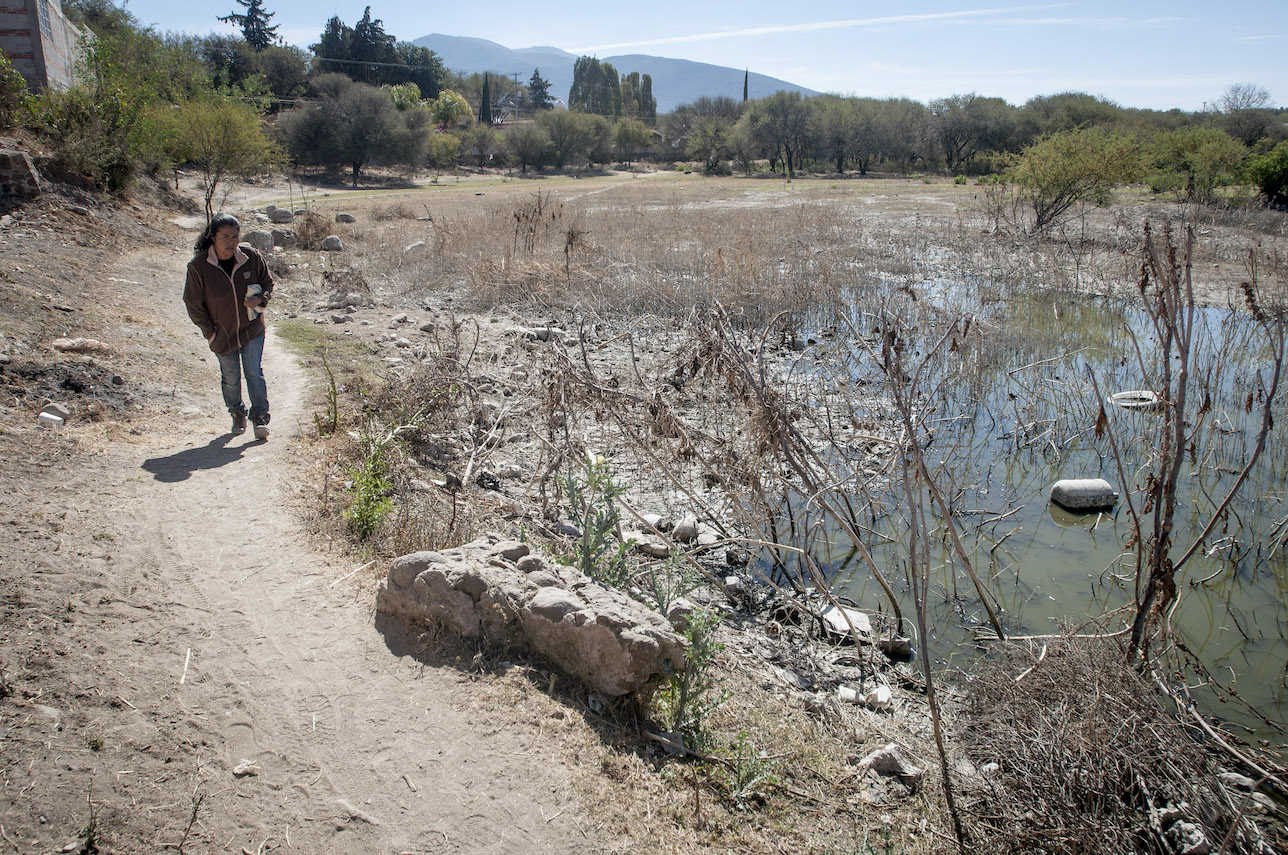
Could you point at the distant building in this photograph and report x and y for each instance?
(40, 42)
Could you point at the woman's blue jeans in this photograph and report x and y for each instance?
(245, 360)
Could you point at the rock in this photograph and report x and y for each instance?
(18, 175)
(1189, 839)
(332, 243)
(735, 587)
(400, 318)
(341, 300)
(678, 613)
(652, 547)
(652, 520)
(280, 215)
(260, 239)
(79, 345)
(873, 697)
(538, 333)
(245, 769)
(269, 209)
(686, 530)
(894, 761)
(597, 635)
(283, 237)
(56, 409)
(342, 319)
(899, 647)
(79, 209)
(834, 621)
(345, 218)
(1236, 781)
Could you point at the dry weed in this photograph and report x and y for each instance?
(1087, 759)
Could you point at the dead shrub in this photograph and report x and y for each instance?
(393, 211)
(311, 228)
(1087, 759)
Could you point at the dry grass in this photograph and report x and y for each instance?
(1088, 759)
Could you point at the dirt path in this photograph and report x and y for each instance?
(203, 629)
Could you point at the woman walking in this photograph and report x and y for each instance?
(227, 288)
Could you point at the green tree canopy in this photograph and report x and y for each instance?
(781, 127)
(355, 125)
(222, 138)
(1069, 169)
(539, 92)
(1270, 173)
(1195, 161)
(632, 139)
(449, 108)
(485, 101)
(253, 23)
(570, 136)
(527, 145)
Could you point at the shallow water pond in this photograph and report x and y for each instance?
(1010, 408)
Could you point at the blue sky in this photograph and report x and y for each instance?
(1139, 54)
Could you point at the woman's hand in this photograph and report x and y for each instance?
(254, 302)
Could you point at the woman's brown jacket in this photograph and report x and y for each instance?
(214, 298)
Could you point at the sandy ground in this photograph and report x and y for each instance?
(168, 624)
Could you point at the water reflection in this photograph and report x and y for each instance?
(1014, 412)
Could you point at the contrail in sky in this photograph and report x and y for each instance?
(774, 29)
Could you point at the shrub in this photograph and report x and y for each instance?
(444, 151)
(1195, 161)
(369, 502)
(592, 507)
(15, 99)
(691, 695)
(1065, 171)
(1270, 173)
(92, 134)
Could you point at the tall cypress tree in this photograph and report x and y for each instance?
(485, 102)
(746, 76)
(254, 23)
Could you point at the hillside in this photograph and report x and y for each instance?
(675, 81)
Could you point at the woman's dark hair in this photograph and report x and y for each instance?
(207, 238)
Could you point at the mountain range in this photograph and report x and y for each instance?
(675, 81)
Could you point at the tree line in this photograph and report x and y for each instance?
(360, 97)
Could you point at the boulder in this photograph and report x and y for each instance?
(345, 218)
(894, 761)
(260, 239)
(280, 215)
(332, 243)
(686, 530)
(283, 237)
(502, 593)
(79, 345)
(18, 175)
(838, 620)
